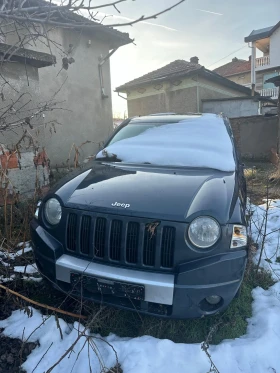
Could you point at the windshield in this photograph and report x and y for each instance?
(131, 130)
(196, 141)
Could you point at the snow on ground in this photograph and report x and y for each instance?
(271, 254)
(180, 144)
(29, 268)
(6, 279)
(25, 248)
(255, 352)
(10, 256)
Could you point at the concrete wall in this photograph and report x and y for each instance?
(181, 96)
(231, 108)
(81, 115)
(19, 92)
(255, 136)
(179, 101)
(146, 105)
(22, 169)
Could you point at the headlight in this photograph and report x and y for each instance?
(204, 232)
(53, 211)
(36, 214)
(239, 236)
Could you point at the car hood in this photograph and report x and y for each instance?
(152, 192)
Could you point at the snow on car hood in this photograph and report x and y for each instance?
(201, 141)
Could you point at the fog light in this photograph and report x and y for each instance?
(213, 299)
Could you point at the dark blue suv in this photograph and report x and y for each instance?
(155, 223)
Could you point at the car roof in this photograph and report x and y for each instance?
(168, 118)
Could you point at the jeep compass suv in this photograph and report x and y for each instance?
(155, 223)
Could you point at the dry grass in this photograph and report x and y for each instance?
(260, 176)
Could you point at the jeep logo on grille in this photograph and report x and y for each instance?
(124, 205)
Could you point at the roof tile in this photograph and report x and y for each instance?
(234, 67)
(173, 69)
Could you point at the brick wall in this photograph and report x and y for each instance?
(22, 174)
(255, 136)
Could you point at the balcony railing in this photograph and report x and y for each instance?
(263, 61)
(269, 92)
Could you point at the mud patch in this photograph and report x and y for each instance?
(10, 357)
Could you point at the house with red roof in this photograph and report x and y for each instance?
(237, 70)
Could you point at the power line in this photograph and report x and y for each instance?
(245, 46)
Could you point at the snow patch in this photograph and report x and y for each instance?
(25, 248)
(30, 268)
(6, 279)
(271, 254)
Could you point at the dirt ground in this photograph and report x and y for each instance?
(13, 353)
(262, 181)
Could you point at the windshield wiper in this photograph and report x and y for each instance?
(109, 157)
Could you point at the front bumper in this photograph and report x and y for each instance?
(177, 295)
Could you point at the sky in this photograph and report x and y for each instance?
(209, 29)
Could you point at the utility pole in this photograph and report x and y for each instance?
(253, 68)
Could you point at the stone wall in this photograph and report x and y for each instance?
(255, 136)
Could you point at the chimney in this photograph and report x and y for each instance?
(194, 60)
(250, 58)
(235, 59)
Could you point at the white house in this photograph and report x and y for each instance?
(83, 114)
(266, 40)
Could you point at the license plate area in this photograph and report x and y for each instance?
(108, 287)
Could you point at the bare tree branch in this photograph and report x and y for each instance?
(67, 7)
(67, 11)
(31, 23)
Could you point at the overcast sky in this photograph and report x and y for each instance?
(209, 29)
